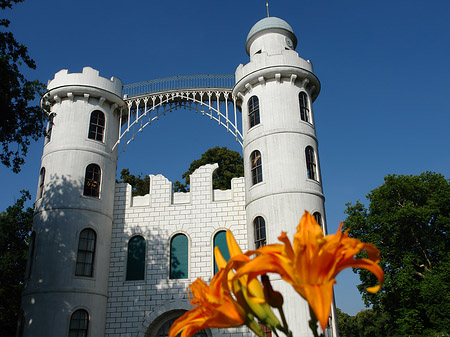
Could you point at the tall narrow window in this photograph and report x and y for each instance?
(304, 106)
(318, 218)
(179, 257)
(310, 163)
(41, 183)
(220, 241)
(259, 227)
(86, 253)
(30, 255)
(136, 259)
(97, 125)
(79, 323)
(253, 111)
(92, 181)
(48, 135)
(255, 159)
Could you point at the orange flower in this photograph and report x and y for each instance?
(213, 308)
(313, 262)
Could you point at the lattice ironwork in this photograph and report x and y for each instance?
(179, 83)
(142, 110)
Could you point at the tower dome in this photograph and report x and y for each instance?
(270, 25)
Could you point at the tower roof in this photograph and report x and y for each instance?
(273, 24)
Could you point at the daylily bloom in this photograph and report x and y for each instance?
(248, 293)
(311, 264)
(214, 307)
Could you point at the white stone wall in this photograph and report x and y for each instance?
(135, 308)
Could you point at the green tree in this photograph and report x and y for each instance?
(231, 165)
(15, 227)
(408, 219)
(20, 123)
(346, 324)
(140, 186)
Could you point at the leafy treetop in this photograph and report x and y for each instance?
(20, 123)
(408, 219)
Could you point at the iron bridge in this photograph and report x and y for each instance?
(147, 101)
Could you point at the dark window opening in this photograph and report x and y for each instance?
(179, 257)
(259, 226)
(86, 252)
(97, 125)
(304, 106)
(256, 167)
(92, 181)
(136, 259)
(79, 323)
(310, 163)
(253, 111)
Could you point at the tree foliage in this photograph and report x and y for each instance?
(231, 165)
(366, 323)
(408, 219)
(20, 123)
(15, 227)
(139, 184)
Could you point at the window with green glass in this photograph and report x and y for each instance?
(136, 259)
(179, 257)
(220, 240)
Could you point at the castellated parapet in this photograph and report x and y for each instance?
(199, 214)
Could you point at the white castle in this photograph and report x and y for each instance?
(105, 263)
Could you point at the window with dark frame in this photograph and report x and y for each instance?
(97, 125)
(86, 253)
(310, 163)
(136, 259)
(179, 257)
(41, 182)
(31, 255)
(259, 226)
(92, 181)
(304, 106)
(256, 167)
(48, 135)
(253, 111)
(318, 218)
(79, 324)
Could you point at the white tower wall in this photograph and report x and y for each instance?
(276, 75)
(53, 290)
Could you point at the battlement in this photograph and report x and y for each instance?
(201, 190)
(89, 77)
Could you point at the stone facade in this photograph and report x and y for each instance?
(199, 214)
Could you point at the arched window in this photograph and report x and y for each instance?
(31, 255)
(220, 240)
(255, 159)
(86, 253)
(48, 135)
(253, 111)
(97, 125)
(304, 106)
(136, 259)
(92, 181)
(318, 218)
(41, 183)
(79, 323)
(179, 257)
(310, 163)
(259, 227)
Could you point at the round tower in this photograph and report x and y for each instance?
(67, 275)
(282, 172)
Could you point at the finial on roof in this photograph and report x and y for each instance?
(267, 5)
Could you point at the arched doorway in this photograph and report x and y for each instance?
(161, 325)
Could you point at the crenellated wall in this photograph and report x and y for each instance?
(133, 306)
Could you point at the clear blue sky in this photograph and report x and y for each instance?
(383, 65)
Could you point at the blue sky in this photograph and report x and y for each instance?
(383, 66)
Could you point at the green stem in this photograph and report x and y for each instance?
(313, 323)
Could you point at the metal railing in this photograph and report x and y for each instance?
(179, 83)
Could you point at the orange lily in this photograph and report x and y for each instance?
(248, 293)
(313, 262)
(213, 308)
